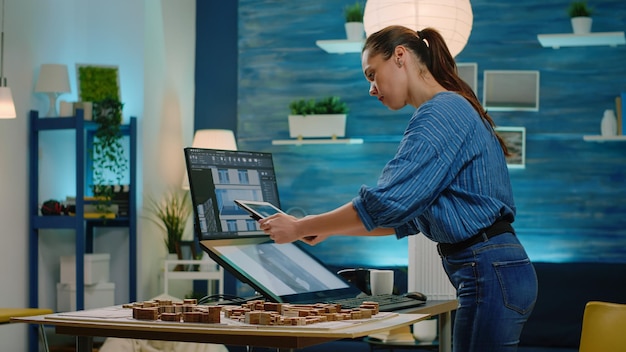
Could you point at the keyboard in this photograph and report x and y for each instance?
(386, 303)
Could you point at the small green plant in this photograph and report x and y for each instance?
(579, 9)
(328, 105)
(354, 13)
(171, 214)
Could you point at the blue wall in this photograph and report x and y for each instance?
(571, 197)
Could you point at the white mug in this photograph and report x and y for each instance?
(381, 282)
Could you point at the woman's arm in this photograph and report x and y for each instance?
(315, 228)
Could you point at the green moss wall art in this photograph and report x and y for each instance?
(97, 82)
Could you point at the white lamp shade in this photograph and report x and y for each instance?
(212, 139)
(7, 108)
(53, 78)
(451, 18)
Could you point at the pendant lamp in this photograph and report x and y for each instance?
(7, 108)
(452, 18)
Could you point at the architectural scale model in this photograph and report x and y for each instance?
(256, 312)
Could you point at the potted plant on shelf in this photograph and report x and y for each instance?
(171, 214)
(324, 117)
(580, 15)
(110, 163)
(354, 21)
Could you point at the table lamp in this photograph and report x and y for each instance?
(212, 139)
(54, 81)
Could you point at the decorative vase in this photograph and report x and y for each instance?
(355, 31)
(608, 126)
(581, 25)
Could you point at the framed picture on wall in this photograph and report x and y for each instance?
(511, 90)
(97, 82)
(468, 71)
(515, 140)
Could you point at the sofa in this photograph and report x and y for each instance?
(556, 322)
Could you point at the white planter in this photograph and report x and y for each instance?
(425, 331)
(317, 126)
(355, 31)
(581, 25)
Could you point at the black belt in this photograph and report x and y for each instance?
(498, 228)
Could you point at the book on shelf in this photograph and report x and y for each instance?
(618, 114)
(99, 215)
(118, 203)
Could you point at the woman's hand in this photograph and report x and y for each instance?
(314, 239)
(282, 228)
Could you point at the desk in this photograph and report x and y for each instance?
(85, 328)
(444, 310)
(257, 336)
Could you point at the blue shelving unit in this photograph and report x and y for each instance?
(84, 228)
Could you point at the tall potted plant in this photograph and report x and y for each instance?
(580, 15)
(324, 117)
(354, 21)
(171, 214)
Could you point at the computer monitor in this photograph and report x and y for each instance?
(217, 178)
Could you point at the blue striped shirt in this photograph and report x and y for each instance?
(448, 179)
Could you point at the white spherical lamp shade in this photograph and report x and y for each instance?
(451, 18)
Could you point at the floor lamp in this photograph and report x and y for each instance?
(7, 107)
(211, 139)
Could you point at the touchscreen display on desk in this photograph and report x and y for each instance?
(282, 269)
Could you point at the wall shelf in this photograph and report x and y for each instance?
(340, 46)
(317, 141)
(598, 138)
(592, 39)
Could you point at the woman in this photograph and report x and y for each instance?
(448, 180)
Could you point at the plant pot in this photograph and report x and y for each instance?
(425, 331)
(581, 25)
(317, 126)
(355, 31)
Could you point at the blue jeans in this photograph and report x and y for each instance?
(496, 288)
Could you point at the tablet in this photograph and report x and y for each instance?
(258, 210)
